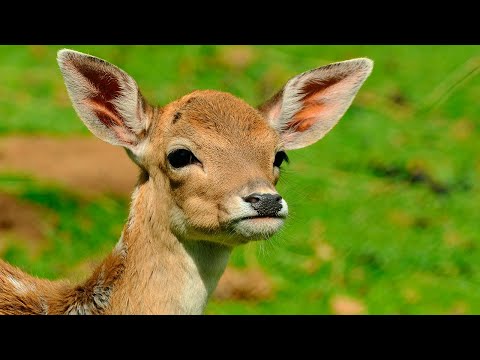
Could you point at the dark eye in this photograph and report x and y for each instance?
(280, 157)
(181, 157)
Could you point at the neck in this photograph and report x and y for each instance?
(162, 274)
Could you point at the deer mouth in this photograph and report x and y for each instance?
(276, 216)
(257, 227)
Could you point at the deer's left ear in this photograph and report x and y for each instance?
(312, 103)
(106, 99)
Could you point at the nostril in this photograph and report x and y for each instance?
(253, 198)
(256, 198)
(266, 205)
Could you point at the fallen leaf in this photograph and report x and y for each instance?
(244, 284)
(345, 305)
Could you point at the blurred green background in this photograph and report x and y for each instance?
(384, 210)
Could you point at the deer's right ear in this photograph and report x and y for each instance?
(105, 98)
(312, 103)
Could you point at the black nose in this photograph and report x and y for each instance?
(265, 204)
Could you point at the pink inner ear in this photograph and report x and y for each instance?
(306, 117)
(107, 89)
(314, 103)
(105, 112)
(104, 82)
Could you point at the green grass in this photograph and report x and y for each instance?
(397, 242)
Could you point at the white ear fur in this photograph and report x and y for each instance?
(312, 103)
(105, 98)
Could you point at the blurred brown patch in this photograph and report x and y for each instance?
(413, 173)
(21, 221)
(344, 305)
(460, 308)
(38, 51)
(462, 129)
(452, 239)
(398, 98)
(323, 252)
(411, 295)
(396, 104)
(273, 79)
(85, 164)
(244, 284)
(237, 57)
(400, 218)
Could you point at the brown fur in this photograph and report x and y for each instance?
(207, 113)
(40, 296)
(227, 138)
(183, 222)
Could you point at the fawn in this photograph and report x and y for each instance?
(208, 165)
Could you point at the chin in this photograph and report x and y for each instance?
(258, 228)
(237, 232)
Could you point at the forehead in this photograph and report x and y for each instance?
(213, 116)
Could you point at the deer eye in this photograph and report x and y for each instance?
(280, 157)
(181, 157)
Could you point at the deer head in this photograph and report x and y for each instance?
(209, 157)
